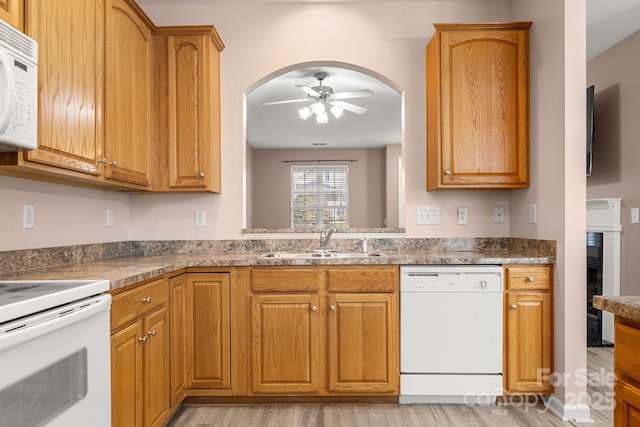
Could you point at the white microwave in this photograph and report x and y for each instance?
(18, 90)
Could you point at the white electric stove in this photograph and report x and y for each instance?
(55, 353)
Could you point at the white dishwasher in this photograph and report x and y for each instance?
(450, 333)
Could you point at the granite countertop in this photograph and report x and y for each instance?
(124, 271)
(625, 306)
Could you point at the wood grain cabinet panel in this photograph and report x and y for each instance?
(362, 343)
(208, 331)
(128, 93)
(285, 343)
(478, 106)
(324, 330)
(12, 12)
(177, 337)
(140, 359)
(627, 370)
(187, 92)
(528, 316)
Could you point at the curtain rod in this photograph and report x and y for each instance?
(318, 161)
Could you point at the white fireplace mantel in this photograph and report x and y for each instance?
(603, 216)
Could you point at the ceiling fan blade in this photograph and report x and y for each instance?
(309, 90)
(363, 93)
(350, 107)
(288, 101)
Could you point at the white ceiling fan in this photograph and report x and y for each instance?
(323, 98)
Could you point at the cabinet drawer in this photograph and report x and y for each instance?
(368, 279)
(528, 277)
(627, 349)
(129, 306)
(285, 280)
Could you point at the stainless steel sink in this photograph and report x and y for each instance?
(313, 255)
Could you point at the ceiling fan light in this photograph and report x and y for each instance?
(305, 113)
(322, 118)
(336, 111)
(318, 108)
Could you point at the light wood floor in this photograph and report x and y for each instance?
(600, 362)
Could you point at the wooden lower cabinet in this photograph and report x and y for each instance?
(361, 340)
(528, 330)
(208, 331)
(627, 370)
(140, 356)
(285, 343)
(177, 337)
(329, 331)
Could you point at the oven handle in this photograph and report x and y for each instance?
(46, 322)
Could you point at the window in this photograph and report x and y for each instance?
(320, 196)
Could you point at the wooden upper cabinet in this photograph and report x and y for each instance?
(128, 92)
(478, 106)
(187, 109)
(12, 12)
(70, 86)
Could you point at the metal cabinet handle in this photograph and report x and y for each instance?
(146, 300)
(447, 172)
(113, 164)
(531, 279)
(103, 160)
(142, 339)
(332, 308)
(514, 307)
(201, 174)
(152, 333)
(314, 308)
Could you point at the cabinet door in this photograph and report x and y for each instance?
(285, 343)
(156, 365)
(627, 409)
(528, 317)
(70, 84)
(12, 12)
(478, 87)
(189, 143)
(128, 94)
(127, 376)
(363, 350)
(177, 335)
(208, 331)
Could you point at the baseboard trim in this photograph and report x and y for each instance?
(577, 413)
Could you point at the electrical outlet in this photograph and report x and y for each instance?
(635, 215)
(533, 213)
(109, 217)
(498, 215)
(28, 216)
(428, 215)
(200, 218)
(463, 217)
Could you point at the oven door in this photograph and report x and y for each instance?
(55, 367)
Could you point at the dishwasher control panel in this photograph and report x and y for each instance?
(444, 278)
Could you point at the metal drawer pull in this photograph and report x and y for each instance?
(447, 172)
(146, 300)
(314, 308)
(332, 308)
(152, 333)
(201, 174)
(514, 307)
(142, 339)
(531, 278)
(113, 164)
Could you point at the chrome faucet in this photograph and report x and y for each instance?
(324, 238)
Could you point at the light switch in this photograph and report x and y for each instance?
(428, 215)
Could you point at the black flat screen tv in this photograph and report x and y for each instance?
(591, 128)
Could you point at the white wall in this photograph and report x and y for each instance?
(616, 76)
(63, 215)
(558, 79)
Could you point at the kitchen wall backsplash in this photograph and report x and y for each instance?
(29, 259)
